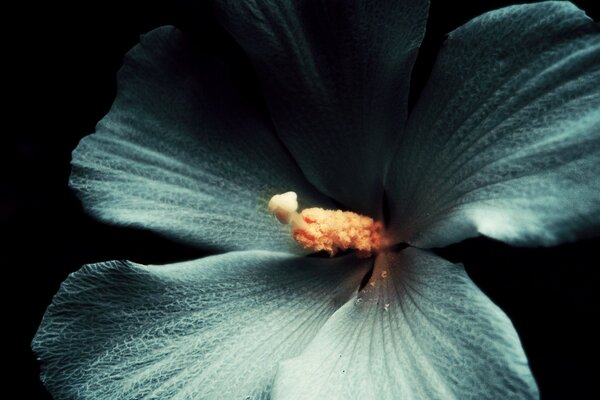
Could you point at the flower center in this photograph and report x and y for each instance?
(327, 230)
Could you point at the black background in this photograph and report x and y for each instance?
(62, 61)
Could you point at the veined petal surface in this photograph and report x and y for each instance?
(183, 153)
(213, 328)
(336, 79)
(505, 138)
(420, 329)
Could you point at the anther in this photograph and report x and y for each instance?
(327, 230)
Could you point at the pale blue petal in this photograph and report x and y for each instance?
(213, 328)
(336, 78)
(419, 330)
(183, 153)
(505, 139)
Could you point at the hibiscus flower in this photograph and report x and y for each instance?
(504, 141)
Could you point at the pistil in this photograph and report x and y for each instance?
(327, 230)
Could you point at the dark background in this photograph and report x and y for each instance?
(62, 62)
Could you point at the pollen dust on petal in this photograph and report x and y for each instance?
(328, 230)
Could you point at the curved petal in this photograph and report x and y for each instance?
(420, 330)
(505, 139)
(206, 329)
(336, 78)
(182, 152)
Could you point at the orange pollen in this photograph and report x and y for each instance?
(328, 230)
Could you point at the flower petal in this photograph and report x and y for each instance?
(420, 330)
(210, 328)
(336, 78)
(182, 152)
(505, 139)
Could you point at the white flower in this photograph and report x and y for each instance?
(504, 141)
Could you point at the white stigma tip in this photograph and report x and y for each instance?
(284, 206)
